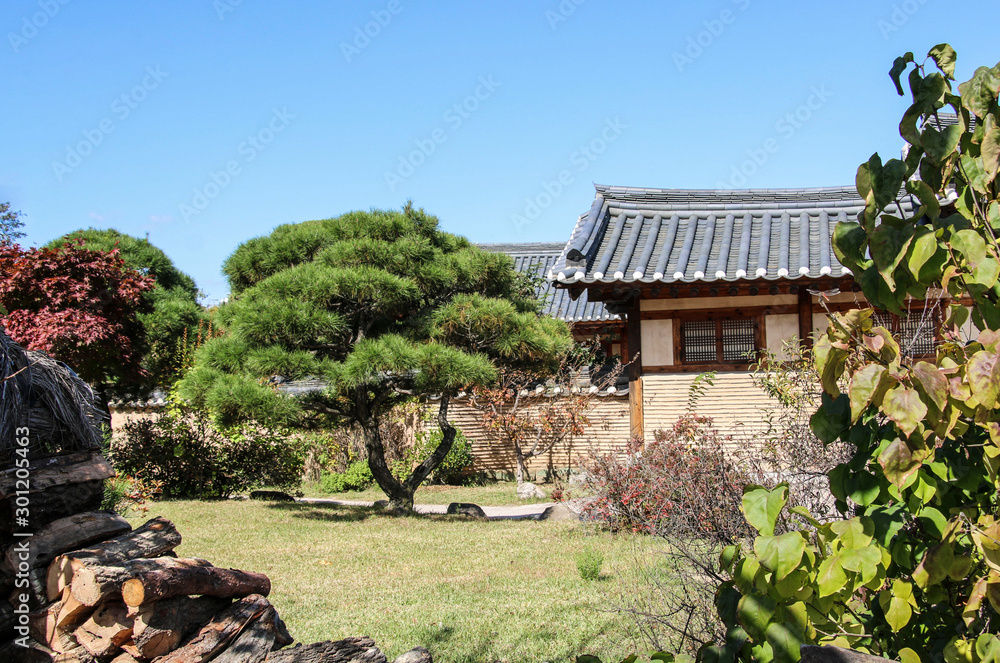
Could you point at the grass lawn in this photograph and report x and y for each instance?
(502, 493)
(467, 590)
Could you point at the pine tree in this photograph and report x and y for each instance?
(384, 307)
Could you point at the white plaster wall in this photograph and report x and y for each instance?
(657, 342)
(780, 328)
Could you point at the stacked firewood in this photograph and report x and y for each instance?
(87, 588)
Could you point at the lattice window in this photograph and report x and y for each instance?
(914, 332)
(722, 341)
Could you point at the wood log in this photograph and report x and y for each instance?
(349, 650)
(282, 638)
(34, 592)
(124, 657)
(56, 471)
(53, 503)
(72, 613)
(38, 653)
(218, 633)
(94, 584)
(106, 630)
(159, 627)
(154, 538)
(254, 643)
(63, 535)
(180, 580)
(42, 627)
(7, 621)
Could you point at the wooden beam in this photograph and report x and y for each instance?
(805, 318)
(633, 342)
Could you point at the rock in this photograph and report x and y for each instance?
(578, 478)
(464, 509)
(272, 495)
(417, 654)
(559, 512)
(527, 490)
(380, 504)
(830, 654)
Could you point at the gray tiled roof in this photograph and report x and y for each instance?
(639, 235)
(537, 259)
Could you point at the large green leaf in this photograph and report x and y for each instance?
(781, 554)
(979, 92)
(865, 384)
(935, 565)
(755, 612)
(939, 145)
(832, 419)
(898, 67)
(785, 642)
(928, 199)
(849, 245)
(855, 533)
(897, 603)
(762, 506)
(984, 377)
(831, 577)
(944, 57)
(829, 363)
(990, 150)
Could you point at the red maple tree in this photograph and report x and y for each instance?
(78, 305)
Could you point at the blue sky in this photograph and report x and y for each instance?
(207, 122)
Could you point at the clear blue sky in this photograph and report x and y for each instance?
(128, 114)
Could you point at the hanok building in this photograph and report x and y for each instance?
(705, 279)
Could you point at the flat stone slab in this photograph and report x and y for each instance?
(513, 512)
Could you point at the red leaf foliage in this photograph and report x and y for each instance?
(78, 305)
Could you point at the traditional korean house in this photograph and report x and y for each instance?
(705, 280)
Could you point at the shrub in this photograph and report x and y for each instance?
(183, 452)
(124, 494)
(453, 470)
(588, 563)
(357, 476)
(681, 482)
(681, 487)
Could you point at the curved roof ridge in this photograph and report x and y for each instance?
(615, 192)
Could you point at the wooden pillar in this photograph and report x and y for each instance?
(633, 342)
(805, 317)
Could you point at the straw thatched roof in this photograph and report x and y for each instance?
(47, 398)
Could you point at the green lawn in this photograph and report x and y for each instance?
(467, 590)
(501, 493)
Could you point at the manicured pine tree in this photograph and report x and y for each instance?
(384, 307)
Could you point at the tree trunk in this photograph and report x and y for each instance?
(93, 584)
(521, 468)
(399, 498)
(169, 582)
(423, 470)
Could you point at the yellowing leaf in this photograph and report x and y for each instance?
(983, 371)
(864, 385)
(904, 407)
(898, 463)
